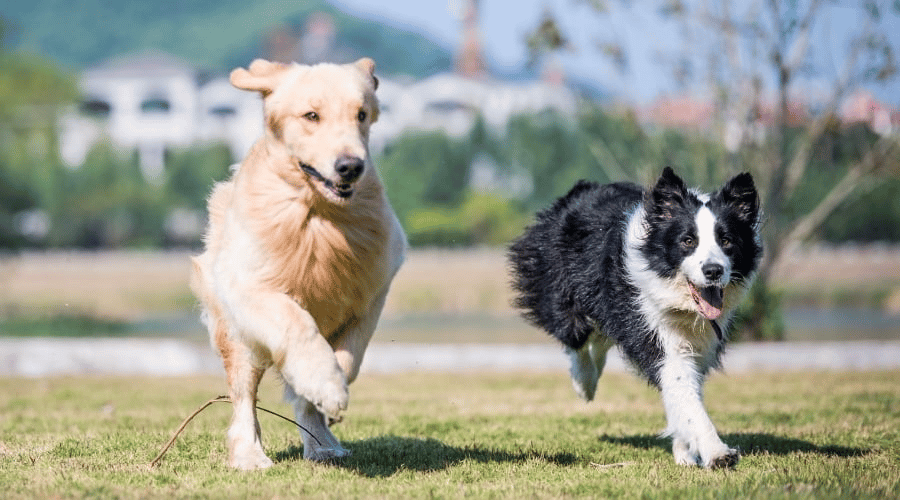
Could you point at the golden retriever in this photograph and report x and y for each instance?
(301, 248)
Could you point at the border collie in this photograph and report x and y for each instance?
(658, 272)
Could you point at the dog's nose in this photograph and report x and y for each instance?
(712, 271)
(349, 168)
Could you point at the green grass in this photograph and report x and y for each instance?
(60, 325)
(822, 435)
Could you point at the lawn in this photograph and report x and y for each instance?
(522, 435)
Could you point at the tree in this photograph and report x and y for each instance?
(746, 53)
(32, 91)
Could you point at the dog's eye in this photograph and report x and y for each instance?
(688, 241)
(725, 242)
(312, 116)
(362, 115)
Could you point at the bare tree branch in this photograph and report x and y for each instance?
(881, 154)
(797, 53)
(800, 160)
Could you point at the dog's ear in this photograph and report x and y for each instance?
(740, 193)
(367, 66)
(262, 76)
(667, 196)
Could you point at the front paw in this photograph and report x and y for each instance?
(728, 458)
(683, 453)
(332, 400)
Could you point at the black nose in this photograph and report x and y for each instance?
(712, 272)
(349, 168)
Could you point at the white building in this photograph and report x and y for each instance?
(152, 103)
(451, 103)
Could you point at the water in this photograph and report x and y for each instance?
(840, 323)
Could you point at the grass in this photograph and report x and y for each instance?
(821, 435)
(60, 325)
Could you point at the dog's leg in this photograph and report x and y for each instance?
(350, 348)
(245, 450)
(694, 437)
(242, 374)
(302, 355)
(349, 351)
(319, 443)
(587, 364)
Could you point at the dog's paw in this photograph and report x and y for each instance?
(249, 461)
(332, 400)
(728, 459)
(686, 457)
(683, 454)
(324, 454)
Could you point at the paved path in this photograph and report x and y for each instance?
(170, 357)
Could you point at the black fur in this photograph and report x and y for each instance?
(569, 268)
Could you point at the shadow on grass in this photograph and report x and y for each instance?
(384, 456)
(749, 444)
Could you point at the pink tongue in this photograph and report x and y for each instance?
(708, 310)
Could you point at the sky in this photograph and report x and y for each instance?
(505, 24)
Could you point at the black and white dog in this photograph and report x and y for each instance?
(658, 272)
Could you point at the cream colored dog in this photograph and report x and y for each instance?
(301, 248)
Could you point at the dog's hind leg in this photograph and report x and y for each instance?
(319, 443)
(243, 373)
(245, 450)
(587, 364)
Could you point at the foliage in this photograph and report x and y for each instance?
(190, 174)
(16, 324)
(760, 316)
(232, 32)
(481, 219)
(473, 435)
(32, 91)
(869, 217)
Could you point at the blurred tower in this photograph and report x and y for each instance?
(469, 61)
(315, 42)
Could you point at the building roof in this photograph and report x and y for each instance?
(148, 63)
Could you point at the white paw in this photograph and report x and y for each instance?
(685, 457)
(249, 461)
(332, 400)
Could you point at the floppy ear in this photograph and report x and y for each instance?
(740, 193)
(367, 66)
(667, 196)
(262, 76)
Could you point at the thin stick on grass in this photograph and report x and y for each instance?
(610, 466)
(217, 399)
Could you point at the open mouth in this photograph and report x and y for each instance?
(341, 190)
(709, 300)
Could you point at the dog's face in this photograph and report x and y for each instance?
(704, 242)
(321, 116)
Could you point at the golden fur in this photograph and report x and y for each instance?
(295, 269)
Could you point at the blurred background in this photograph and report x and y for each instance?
(116, 117)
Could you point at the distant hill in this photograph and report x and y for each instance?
(214, 35)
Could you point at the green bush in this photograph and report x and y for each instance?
(481, 220)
